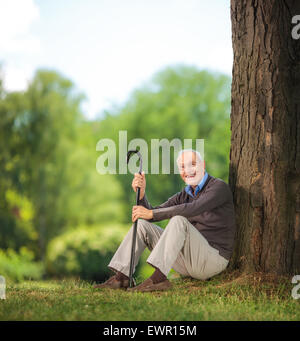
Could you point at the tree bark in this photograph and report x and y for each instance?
(264, 172)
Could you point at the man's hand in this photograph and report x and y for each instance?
(141, 212)
(139, 181)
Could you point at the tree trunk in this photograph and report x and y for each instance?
(264, 170)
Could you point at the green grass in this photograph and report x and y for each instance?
(229, 296)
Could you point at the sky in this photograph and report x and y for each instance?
(108, 48)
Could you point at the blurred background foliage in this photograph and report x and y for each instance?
(60, 217)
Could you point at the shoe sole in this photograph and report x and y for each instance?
(108, 287)
(150, 289)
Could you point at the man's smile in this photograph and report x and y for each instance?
(190, 176)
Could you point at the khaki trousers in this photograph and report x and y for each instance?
(179, 246)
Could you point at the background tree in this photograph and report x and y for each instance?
(265, 140)
(47, 156)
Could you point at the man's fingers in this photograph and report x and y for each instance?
(134, 217)
(138, 176)
(138, 183)
(138, 208)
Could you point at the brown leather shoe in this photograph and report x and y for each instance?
(148, 286)
(113, 283)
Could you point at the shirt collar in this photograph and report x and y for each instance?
(188, 188)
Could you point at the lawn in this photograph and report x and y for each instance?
(229, 296)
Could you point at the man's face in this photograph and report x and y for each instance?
(191, 168)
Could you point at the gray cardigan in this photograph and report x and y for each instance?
(211, 212)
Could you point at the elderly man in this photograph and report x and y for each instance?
(198, 240)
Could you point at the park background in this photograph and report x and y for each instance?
(58, 216)
(73, 73)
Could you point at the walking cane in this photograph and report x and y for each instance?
(129, 154)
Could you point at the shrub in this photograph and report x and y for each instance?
(17, 267)
(84, 251)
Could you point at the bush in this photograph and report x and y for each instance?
(84, 252)
(19, 266)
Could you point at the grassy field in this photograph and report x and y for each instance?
(229, 296)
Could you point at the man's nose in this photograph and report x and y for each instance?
(188, 170)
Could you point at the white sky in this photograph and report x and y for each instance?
(109, 47)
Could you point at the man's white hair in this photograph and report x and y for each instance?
(189, 150)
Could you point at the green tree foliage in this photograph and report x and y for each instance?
(13, 234)
(47, 162)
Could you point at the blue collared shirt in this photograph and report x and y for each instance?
(188, 188)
